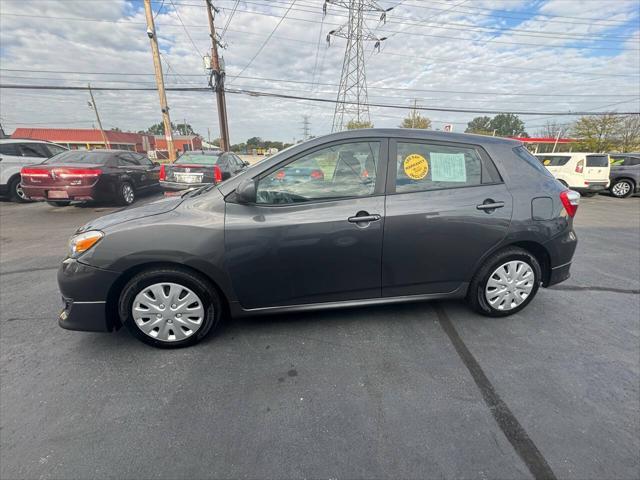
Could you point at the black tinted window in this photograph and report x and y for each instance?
(55, 149)
(9, 149)
(79, 156)
(142, 159)
(554, 160)
(530, 160)
(597, 160)
(33, 150)
(127, 160)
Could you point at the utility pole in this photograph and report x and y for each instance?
(151, 33)
(352, 101)
(92, 104)
(305, 127)
(218, 74)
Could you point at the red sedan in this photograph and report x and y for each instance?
(83, 175)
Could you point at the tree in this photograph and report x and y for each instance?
(158, 128)
(355, 124)
(507, 125)
(115, 129)
(628, 134)
(597, 133)
(415, 120)
(183, 129)
(481, 125)
(254, 142)
(551, 129)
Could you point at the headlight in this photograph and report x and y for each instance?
(83, 242)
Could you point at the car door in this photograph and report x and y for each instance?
(446, 206)
(131, 170)
(310, 239)
(10, 161)
(150, 176)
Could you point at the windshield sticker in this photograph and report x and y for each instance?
(547, 162)
(448, 167)
(416, 166)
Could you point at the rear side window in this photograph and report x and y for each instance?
(597, 160)
(55, 150)
(554, 160)
(127, 160)
(423, 166)
(9, 149)
(33, 150)
(530, 160)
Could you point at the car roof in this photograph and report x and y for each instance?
(23, 140)
(421, 134)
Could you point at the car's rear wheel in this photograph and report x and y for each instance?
(169, 307)
(16, 194)
(506, 283)
(126, 194)
(64, 203)
(622, 188)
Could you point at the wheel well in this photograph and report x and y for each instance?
(541, 254)
(113, 317)
(628, 179)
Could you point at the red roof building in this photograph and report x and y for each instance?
(80, 138)
(182, 143)
(547, 144)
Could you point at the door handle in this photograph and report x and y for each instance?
(490, 205)
(364, 218)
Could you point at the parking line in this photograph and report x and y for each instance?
(28, 270)
(508, 423)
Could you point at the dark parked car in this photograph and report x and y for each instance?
(85, 175)
(625, 174)
(195, 169)
(398, 215)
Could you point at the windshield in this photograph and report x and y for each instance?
(597, 160)
(199, 159)
(79, 156)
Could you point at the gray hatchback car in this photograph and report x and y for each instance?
(384, 216)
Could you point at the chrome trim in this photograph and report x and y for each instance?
(560, 266)
(97, 301)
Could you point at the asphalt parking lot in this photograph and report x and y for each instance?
(426, 390)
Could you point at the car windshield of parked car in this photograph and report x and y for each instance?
(79, 156)
(340, 171)
(597, 160)
(199, 159)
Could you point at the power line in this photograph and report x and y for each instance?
(255, 93)
(264, 44)
(185, 30)
(226, 25)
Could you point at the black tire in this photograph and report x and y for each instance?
(126, 194)
(64, 203)
(476, 293)
(15, 191)
(208, 294)
(622, 188)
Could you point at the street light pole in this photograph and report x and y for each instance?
(107, 145)
(218, 86)
(151, 33)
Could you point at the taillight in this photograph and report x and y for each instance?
(163, 173)
(217, 174)
(33, 172)
(316, 175)
(77, 172)
(570, 201)
(580, 166)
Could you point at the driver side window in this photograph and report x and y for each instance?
(340, 171)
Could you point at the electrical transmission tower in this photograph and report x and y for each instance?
(305, 128)
(352, 101)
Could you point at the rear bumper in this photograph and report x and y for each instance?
(80, 193)
(173, 186)
(85, 291)
(592, 187)
(559, 274)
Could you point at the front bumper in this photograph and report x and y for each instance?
(79, 193)
(181, 185)
(85, 292)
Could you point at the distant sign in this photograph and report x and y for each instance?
(448, 127)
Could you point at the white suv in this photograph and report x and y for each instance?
(15, 154)
(587, 173)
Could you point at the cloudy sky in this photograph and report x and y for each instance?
(504, 55)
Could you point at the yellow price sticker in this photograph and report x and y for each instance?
(416, 166)
(547, 162)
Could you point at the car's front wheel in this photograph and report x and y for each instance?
(505, 284)
(169, 307)
(622, 188)
(126, 194)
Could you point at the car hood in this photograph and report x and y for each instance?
(128, 214)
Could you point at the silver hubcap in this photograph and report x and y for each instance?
(20, 192)
(168, 312)
(509, 285)
(127, 193)
(621, 189)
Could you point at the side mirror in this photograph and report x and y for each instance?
(245, 163)
(246, 191)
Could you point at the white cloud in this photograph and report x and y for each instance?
(430, 47)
